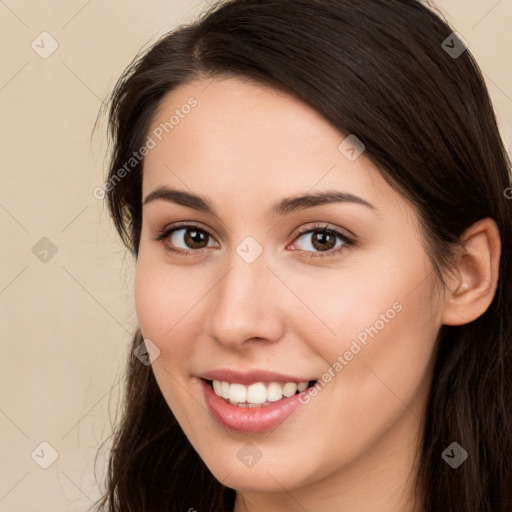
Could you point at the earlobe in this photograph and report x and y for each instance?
(474, 281)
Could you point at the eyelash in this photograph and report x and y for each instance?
(347, 241)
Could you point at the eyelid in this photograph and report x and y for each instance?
(322, 226)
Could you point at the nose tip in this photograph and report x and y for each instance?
(244, 306)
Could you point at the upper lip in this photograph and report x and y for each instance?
(250, 377)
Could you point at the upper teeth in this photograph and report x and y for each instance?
(257, 393)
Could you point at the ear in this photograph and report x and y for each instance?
(472, 285)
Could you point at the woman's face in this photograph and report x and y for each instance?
(258, 306)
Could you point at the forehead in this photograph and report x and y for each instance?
(243, 139)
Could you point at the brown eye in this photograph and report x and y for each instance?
(185, 239)
(188, 237)
(322, 241)
(194, 238)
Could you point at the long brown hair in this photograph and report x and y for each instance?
(380, 69)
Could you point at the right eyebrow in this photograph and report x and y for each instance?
(182, 198)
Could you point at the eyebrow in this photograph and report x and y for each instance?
(280, 208)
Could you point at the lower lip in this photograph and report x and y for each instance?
(249, 419)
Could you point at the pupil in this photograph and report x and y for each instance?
(323, 241)
(194, 237)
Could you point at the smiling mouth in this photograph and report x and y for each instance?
(259, 394)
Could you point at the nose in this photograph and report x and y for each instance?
(246, 305)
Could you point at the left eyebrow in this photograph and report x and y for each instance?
(301, 202)
(282, 207)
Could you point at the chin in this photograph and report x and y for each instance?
(265, 476)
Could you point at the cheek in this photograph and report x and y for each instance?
(380, 326)
(150, 300)
(163, 303)
(170, 307)
(380, 362)
(378, 296)
(162, 297)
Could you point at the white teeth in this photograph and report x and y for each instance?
(217, 387)
(256, 394)
(301, 386)
(237, 393)
(224, 389)
(274, 392)
(289, 389)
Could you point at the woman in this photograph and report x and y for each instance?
(315, 195)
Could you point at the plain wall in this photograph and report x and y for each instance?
(67, 318)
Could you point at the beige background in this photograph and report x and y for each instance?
(66, 322)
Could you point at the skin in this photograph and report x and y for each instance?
(353, 446)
